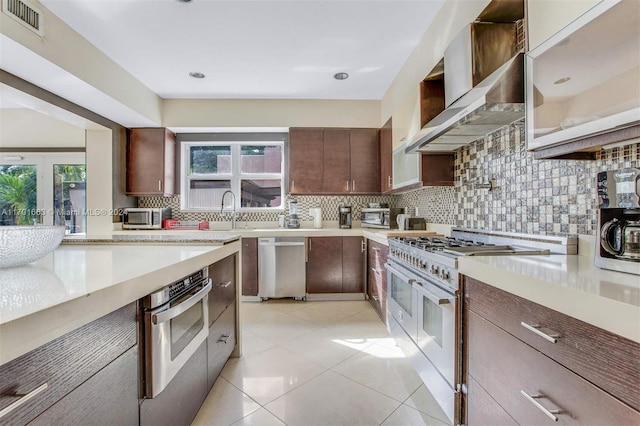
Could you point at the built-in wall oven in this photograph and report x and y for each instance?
(176, 323)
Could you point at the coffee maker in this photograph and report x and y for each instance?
(618, 245)
(293, 221)
(344, 213)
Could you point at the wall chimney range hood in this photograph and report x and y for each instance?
(484, 88)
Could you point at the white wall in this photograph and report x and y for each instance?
(99, 182)
(25, 128)
(547, 17)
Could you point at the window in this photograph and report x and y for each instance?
(253, 171)
(46, 188)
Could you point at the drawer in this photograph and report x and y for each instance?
(220, 343)
(223, 288)
(482, 409)
(601, 357)
(507, 368)
(65, 363)
(377, 290)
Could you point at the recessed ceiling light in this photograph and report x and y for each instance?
(562, 80)
(341, 76)
(196, 75)
(183, 1)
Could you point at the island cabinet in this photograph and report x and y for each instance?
(377, 277)
(222, 316)
(150, 162)
(528, 364)
(334, 161)
(249, 266)
(87, 376)
(335, 265)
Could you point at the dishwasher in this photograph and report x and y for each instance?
(281, 268)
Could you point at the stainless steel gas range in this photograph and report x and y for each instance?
(424, 299)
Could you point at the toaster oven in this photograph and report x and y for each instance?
(384, 218)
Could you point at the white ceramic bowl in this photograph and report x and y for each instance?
(20, 245)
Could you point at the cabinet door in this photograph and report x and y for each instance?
(353, 261)
(109, 397)
(220, 343)
(324, 265)
(365, 161)
(386, 157)
(150, 162)
(337, 178)
(437, 169)
(305, 160)
(223, 286)
(249, 266)
(377, 277)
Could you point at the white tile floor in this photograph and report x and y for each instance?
(317, 363)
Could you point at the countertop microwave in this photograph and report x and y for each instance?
(145, 218)
(383, 218)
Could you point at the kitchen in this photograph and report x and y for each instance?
(528, 195)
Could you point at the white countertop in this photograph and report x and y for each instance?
(571, 285)
(77, 284)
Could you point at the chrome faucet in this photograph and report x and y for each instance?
(233, 215)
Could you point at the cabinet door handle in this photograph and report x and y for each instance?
(159, 184)
(353, 186)
(24, 398)
(376, 298)
(389, 179)
(553, 338)
(375, 271)
(225, 285)
(546, 411)
(347, 186)
(223, 338)
(293, 185)
(363, 246)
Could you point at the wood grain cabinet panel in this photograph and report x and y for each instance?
(353, 264)
(324, 265)
(377, 277)
(150, 162)
(365, 161)
(306, 160)
(386, 157)
(605, 359)
(336, 177)
(220, 343)
(509, 370)
(223, 286)
(249, 266)
(65, 363)
(483, 409)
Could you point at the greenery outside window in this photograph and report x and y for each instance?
(253, 171)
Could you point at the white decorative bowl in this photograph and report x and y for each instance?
(20, 245)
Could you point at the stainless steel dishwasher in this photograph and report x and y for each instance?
(281, 267)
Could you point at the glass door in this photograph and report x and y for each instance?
(402, 300)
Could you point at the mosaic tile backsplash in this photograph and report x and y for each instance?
(531, 196)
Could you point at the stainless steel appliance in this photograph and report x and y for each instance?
(176, 323)
(145, 218)
(281, 267)
(383, 218)
(344, 213)
(424, 303)
(618, 245)
(294, 221)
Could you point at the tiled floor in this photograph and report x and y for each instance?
(317, 363)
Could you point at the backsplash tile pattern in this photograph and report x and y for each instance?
(532, 196)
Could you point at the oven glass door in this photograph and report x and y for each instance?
(402, 298)
(436, 328)
(172, 335)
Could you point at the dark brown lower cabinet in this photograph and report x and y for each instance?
(377, 277)
(223, 286)
(335, 265)
(534, 384)
(174, 405)
(76, 369)
(249, 266)
(220, 343)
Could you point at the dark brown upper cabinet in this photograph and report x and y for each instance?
(150, 162)
(334, 161)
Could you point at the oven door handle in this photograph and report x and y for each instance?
(164, 316)
(441, 299)
(397, 272)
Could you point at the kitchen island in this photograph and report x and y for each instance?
(77, 284)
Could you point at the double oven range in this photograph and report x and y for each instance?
(424, 310)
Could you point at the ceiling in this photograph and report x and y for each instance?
(288, 49)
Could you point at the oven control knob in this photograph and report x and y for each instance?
(434, 270)
(444, 274)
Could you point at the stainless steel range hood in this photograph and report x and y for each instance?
(493, 103)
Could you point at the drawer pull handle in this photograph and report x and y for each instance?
(223, 338)
(376, 298)
(553, 338)
(225, 285)
(546, 411)
(24, 398)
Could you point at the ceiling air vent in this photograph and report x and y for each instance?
(24, 13)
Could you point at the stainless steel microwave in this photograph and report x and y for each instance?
(145, 218)
(384, 218)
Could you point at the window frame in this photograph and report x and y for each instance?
(235, 177)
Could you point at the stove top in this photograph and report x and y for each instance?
(449, 246)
